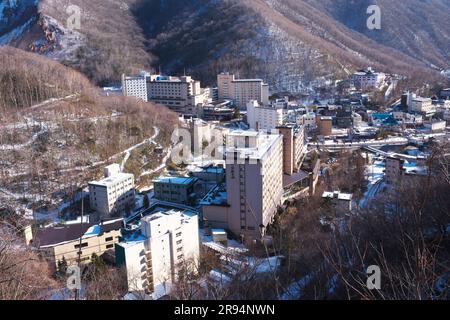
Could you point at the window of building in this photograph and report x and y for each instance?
(83, 245)
(109, 239)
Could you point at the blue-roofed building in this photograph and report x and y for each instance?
(383, 119)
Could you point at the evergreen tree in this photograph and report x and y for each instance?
(62, 266)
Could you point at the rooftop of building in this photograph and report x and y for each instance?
(133, 236)
(391, 158)
(176, 180)
(272, 106)
(159, 207)
(216, 197)
(288, 125)
(208, 169)
(264, 142)
(138, 77)
(109, 181)
(289, 180)
(381, 116)
(219, 104)
(243, 133)
(248, 80)
(368, 71)
(338, 195)
(48, 237)
(421, 99)
(218, 232)
(163, 78)
(183, 215)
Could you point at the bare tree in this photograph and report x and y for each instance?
(23, 274)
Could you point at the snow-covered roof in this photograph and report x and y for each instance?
(338, 195)
(259, 151)
(107, 182)
(218, 232)
(217, 196)
(176, 180)
(53, 236)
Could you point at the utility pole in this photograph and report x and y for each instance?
(77, 291)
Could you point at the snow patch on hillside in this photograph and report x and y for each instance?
(15, 18)
(16, 33)
(287, 61)
(58, 42)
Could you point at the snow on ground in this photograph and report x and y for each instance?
(412, 168)
(375, 176)
(16, 33)
(130, 150)
(161, 166)
(270, 264)
(6, 147)
(294, 291)
(52, 100)
(371, 142)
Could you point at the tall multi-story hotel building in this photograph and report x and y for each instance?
(135, 86)
(112, 194)
(254, 175)
(241, 91)
(181, 94)
(152, 255)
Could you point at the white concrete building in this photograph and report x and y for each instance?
(357, 119)
(135, 86)
(423, 106)
(341, 201)
(436, 126)
(166, 241)
(261, 117)
(241, 91)
(114, 193)
(181, 94)
(368, 79)
(308, 120)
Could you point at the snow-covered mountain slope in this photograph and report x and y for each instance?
(106, 43)
(291, 43)
(16, 16)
